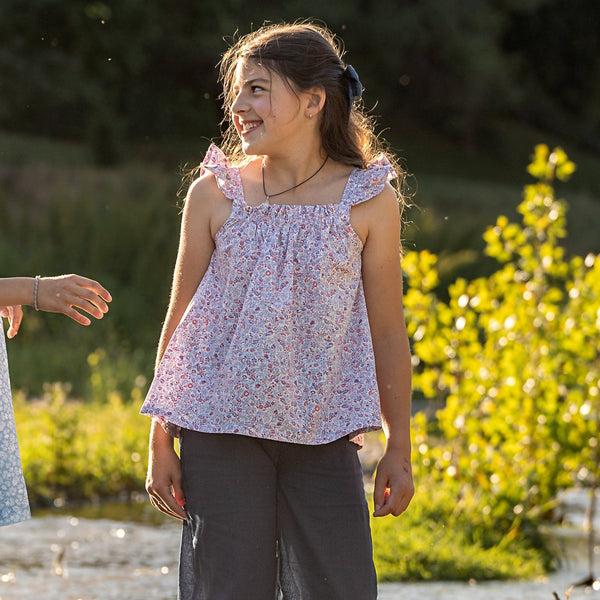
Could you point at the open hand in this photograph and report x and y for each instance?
(65, 293)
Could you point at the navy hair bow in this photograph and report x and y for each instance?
(355, 88)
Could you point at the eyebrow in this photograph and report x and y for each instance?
(256, 80)
(251, 82)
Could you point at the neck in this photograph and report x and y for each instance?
(287, 170)
(289, 188)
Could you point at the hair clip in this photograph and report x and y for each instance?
(355, 88)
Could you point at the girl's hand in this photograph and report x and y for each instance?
(14, 314)
(163, 482)
(65, 293)
(394, 486)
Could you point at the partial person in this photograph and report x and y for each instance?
(63, 294)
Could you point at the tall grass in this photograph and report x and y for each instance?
(73, 451)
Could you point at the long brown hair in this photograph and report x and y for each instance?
(307, 55)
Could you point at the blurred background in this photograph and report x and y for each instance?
(104, 104)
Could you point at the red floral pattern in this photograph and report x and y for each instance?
(275, 342)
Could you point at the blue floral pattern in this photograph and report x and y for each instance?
(275, 342)
(14, 504)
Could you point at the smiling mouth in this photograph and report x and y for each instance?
(250, 126)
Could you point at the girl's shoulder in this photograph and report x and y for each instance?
(211, 195)
(364, 184)
(217, 175)
(216, 162)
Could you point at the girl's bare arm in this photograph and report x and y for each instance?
(382, 280)
(196, 245)
(63, 294)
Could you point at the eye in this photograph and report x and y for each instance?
(256, 88)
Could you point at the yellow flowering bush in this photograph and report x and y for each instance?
(512, 361)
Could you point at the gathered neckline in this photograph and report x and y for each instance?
(361, 184)
(340, 202)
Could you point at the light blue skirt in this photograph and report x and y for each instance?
(14, 504)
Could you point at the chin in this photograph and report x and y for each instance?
(251, 149)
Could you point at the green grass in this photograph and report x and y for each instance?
(429, 543)
(74, 452)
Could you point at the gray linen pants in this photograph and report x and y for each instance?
(270, 519)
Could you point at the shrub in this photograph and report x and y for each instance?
(512, 361)
(81, 451)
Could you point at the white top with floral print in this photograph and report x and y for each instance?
(275, 342)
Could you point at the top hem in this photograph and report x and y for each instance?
(174, 430)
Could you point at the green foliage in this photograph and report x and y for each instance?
(81, 451)
(513, 361)
(117, 226)
(444, 537)
(74, 451)
(77, 69)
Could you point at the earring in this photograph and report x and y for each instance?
(310, 115)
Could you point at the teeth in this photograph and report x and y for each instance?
(249, 126)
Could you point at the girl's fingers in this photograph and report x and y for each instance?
(93, 286)
(98, 297)
(395, 500)
(163, 508)
(168, 506)
(88, 301)
(61, 294)
(15, 316)
(383, 505)
(379, 492)
(69, 311)
(90, 306)
(97, 289)
(93, 305)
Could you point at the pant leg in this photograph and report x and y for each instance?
(228, 547)
(325, 542)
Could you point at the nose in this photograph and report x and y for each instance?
(239, 105)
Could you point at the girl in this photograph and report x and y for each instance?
(285, 338)
(51, 294)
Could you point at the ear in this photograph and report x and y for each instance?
(315, 100)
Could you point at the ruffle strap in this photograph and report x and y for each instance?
(228, 178)
(367, 183)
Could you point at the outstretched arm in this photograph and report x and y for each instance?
(382, 280)
(63, 294)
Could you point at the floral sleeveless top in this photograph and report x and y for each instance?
(276, 343)
(14, 504)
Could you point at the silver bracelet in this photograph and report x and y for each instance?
(35, 292)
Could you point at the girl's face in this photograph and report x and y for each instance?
(267, 114)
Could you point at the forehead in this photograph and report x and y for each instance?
(249, 69)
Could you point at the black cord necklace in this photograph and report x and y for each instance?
(269, 196)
